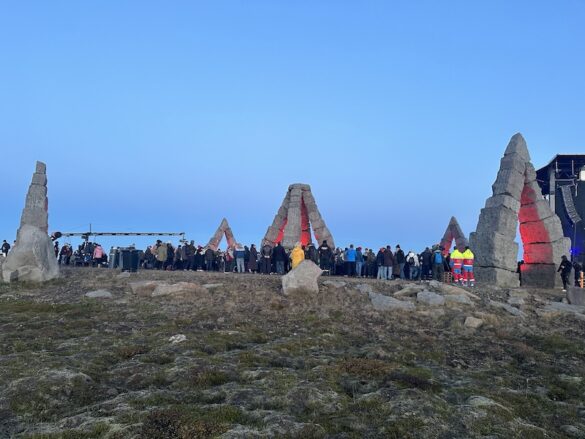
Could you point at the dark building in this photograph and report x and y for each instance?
(563, 183)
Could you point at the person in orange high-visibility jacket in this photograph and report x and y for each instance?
(468, 277)
(457, 265)
(297, 255)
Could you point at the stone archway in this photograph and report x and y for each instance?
(517, 198)
(454, 233)
(224, 229)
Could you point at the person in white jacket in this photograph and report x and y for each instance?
(413, 265)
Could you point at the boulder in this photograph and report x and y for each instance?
(430, 298)
(381, 302)
(364, 288)
(510, 309)
(99, 294)
(576, 296)
(411, 290)
(496, 276)
(458, 299)
(473, 323)
(144, 288)
(303, 277)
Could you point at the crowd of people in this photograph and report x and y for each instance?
(352, 261)
(385, 263)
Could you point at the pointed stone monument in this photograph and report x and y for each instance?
(517, 198)
(455, 233)
(295, 218)
(223, 229)
(32, 258)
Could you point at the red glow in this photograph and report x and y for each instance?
(534, 235)
(281, 231)
(305, 226)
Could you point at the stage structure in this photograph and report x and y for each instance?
(562, 182)
(293, 222)
(517, 198)
(453, 233)
(224, 229)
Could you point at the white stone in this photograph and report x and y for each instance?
(303, 277)
(335, 283)
(99, 294)
(473, 323)
(179, 338)
(381, 302)
(455, 298)
(430, 298)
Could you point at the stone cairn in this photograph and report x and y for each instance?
(454, 232)
(517, 198)
(223, 229)
(295, 218)
(32, 258)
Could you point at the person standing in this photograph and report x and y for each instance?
(400, 260)
(209, 258)
(426, 262)
(280, 256)
(265, 257)
(412, 261)
(565, 269)
(380, 263)
(161, 255)
(359, 262)
(577, 269)
(468, 259)
(325, 254)
(438, 261)
(253, 259)
(5, 248)
(388, 262)
(240, 255)
(456, 263)
(350, 261)
(297, 255)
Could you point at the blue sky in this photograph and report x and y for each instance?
(163, 116)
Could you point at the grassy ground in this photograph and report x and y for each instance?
(258, 364)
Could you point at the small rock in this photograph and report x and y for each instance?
(482, 401)
(99, 294)
(576, 296)
(210, 286)
(570, 379)
(335, 283)
(123, 275)
(557, 308)
(364, 288)
(430, 298)
(454, 298)
(176, 289)
(179, 338)
(510, 309)
(473, 323)
(381, 302)
(515, 300)
(572, 431)
(409, 291)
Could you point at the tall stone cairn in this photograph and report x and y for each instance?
(517, 198)
(32, 258)
(288, 222)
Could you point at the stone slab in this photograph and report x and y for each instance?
(504, 201)
(517, 145)
(546, 253)
(498, 219)
(508, 182)
(536, 211)
(494, 250)
(540, 276)
(381, 302)
(496, 276)
(576, 296)
(303, 277)
(546, 230)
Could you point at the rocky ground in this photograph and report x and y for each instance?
(195, 355)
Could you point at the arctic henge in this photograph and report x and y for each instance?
(295, 218)
(32, 258)
(517, 197)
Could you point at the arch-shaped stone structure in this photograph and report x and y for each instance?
(517, 198)
(223, 229)
(295, 218)
(454, 233)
